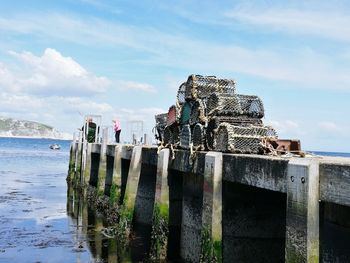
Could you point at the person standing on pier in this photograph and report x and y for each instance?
(117, 129)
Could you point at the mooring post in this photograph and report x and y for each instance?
(72, 157)
(78, 163)
(114, 194)
(133, 181)
(86, 175)
(160, 218)
(103, 164)
(211, 243)
(302, 224)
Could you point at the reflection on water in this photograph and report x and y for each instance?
(34, 226)
(92, 231)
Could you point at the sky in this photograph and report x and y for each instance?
(61, 60)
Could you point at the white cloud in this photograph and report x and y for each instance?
(322, 23)
(285, 127)
(49, 75)
(304, 66)
(329, 126)
(132, 85)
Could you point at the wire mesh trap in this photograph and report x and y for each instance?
(181, 96)
(173, 115)
(215, 121)
(198, 137)
(228, 140)
(186, 113)
(161, 120)
(251, 105)
(185, 137)
(223, 104)
(171, 135)
(198, 112)
(198, 86)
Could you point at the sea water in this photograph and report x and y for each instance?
(37, 221)
(34, 225)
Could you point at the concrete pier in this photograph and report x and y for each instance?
(221, 207)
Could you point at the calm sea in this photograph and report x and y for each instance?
(36, 222)
(34, 225)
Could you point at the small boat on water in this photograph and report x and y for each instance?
(55, 146)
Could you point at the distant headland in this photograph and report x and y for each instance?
(29, 129)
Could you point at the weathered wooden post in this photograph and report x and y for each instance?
(302, 225)
(72, 158)
(79, 160)
(211, 243)
(128, 207)
(85, 179)
(160, 221)
(113, 173)
(102, 167)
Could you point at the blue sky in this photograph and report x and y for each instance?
(60, 59)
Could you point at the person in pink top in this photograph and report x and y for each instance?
(117, 129)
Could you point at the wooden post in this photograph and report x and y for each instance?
(79, 161)
(212, 208)
(132, 182)
(87, 170)
(103, 164)
(114, 194)
(160, 218)
(302, 226)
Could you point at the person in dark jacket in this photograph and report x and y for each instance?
(91, 130)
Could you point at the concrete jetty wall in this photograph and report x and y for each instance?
(216, 207)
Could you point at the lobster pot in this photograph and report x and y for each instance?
(171, 135)
(214, 123)
(186, 113)
(185, 137)
(167, 137)
(180, 97)
(175, 139)
(198, 136)
(251, 105)
(227, 86)
(198, 112)
(198, 86)
(223, 104)
(161, 119)
(226, 140)
(173, 115)
(257, 131)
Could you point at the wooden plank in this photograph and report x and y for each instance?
(258, 171)
(335, 183)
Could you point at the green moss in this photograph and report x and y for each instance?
(211, 251)
(114, 194)
(294, 256)
(160, 232)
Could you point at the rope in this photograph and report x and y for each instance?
(172, 152)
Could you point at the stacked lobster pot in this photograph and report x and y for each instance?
(210, 115)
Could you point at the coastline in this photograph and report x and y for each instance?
(38, 137)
